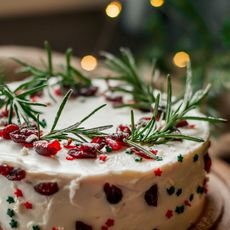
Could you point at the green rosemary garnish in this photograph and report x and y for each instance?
(16, 102)
(165, 129)
(75, 131)
(131, 82)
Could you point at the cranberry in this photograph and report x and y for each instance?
(5, 132)
(46, 188)
(119, 136)
(182, 123)
(115, 145)
(151, 195)
(82, 226)
(207, 162)
(114, 98)
(88, 91)
(88, 147)
(100, 141)
(123, 129)
(5, 169)
(113, 193)
(16, 174)
(46, 148)
(79, 154)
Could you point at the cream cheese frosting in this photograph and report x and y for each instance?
(81, 198)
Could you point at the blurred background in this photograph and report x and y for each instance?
(172, 32)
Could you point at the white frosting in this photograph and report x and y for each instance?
(81, 182)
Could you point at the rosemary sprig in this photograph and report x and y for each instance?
(164, 130)
(75, 131)
(132, 83)
(17, 102)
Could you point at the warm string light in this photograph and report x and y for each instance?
(157, 3)
(181, 59)
(113, 9)
(88, 62)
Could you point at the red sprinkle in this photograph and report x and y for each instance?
(169, 214)
(192, 126)
(28, 205)
(57, 91)
(187, 203)
(103, 157)
(207, 162)
(182, 123)
(18, 193)
(70, 158)
(109, 222)
(154, 151)
(157, 172)
(104, 228)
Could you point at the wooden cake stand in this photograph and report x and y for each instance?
(216, 214)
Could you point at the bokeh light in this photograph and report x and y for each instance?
(157, 3)
(181, 59)
(113, 9)
(88, 62)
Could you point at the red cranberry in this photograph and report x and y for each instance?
(22, 135)
(88, 147)
(151, 195)
(207, 162)
(119, 136)
(100, 141)
(78, 154)
(46, 148)
(182, 123)
(5, 169)
(46, 188)
(16, 174)
(113, 193)
(123, 129)
(115, 145)
(88, 91)
(82, 226)
(5, 132)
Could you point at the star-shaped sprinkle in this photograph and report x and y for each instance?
(28, 205)
(200, 189)
(171, 190)
(179, 191)
(10, 200)
(13, 223)
(10, 212)
(195, 158)
(108, 149)
(157, 172)
(138, 159)
(69, 158)
(103, 157)
(179, 209)
(35, 227)
(18, 193)
(169, 214)
(180, 158)
(191, 197)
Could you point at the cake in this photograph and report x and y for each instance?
(102, 183)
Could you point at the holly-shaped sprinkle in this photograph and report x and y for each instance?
(180, 158)
(138, 159)
(169, 214)
(179, 191)
(35, 227)
(10, 212)
(108, 149)
(195, 158)
(171, 190)
(157, 172)
(13, 223)
(200, 189)
(179, 209)
(10, 200)
(18, 193)
(28, 205)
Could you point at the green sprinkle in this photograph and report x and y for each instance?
(128, 151)
(179, 209)
(159, 159)
(200, 190)
(138, 159)
(195, 158)
(180, 158)
(35, 227)
(13, 223)
(10, 212)
(171, 190)
(191, 197)
(10, 200)
(108, 148)
(179, 191)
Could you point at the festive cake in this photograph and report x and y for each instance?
(80, 173)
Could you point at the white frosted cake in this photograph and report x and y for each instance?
(102, 182)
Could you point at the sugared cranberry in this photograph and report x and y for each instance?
(16, 174)
(123, 129)
(24, 135)
(151, 195)
(88, 91)
(78, 154)
(207, 162)
(114, 144)
(113, 193)
(182, 123)
(82, 226)
(5, 132)
(88, 147)
(100, 141)
(46, 188)
(5, 169)
(46, 148)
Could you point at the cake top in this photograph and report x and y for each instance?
(164, 133)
